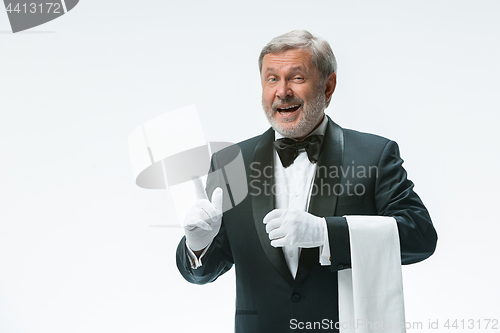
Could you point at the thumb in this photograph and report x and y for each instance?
(217, 196)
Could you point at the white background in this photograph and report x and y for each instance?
(78, 252)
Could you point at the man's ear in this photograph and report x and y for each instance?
(330, 84)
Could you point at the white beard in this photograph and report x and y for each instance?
(311, 115)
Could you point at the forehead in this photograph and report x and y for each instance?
(286, 60)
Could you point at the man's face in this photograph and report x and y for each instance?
(293, 93)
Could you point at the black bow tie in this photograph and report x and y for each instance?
(288, 149)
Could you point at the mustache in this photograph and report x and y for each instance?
(286, 101)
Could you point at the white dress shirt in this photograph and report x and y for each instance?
(293, 186)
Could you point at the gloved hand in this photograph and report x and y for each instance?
(291, 227)
(202, 222)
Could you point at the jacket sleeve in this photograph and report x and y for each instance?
(218, 259)
(394, 196)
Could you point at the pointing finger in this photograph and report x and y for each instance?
(199, 189)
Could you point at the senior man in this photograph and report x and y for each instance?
(289, 237)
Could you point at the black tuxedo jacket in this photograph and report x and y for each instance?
(357, 174)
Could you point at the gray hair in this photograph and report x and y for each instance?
(321, 52)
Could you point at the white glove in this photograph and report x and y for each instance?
(202, 222)
(291, 227)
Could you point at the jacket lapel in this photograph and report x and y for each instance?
(261, 185)
(323, 199)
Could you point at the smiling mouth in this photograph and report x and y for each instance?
(288, 109)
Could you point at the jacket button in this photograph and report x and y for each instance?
(295, 297)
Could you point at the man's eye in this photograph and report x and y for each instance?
(298, 78)
(272, 79)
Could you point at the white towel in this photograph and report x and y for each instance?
(371, 292)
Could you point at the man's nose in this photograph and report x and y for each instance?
(283, 90)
